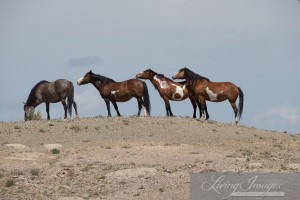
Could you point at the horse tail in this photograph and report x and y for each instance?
(70, 98)
(241, 103)
(146, 98)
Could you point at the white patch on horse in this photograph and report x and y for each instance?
(163, 84)
(79, 81)
(179, 90)
(114, 92)
(211, 94)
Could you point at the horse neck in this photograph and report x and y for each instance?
(31, 100)
(100, 81)
(192, 78)
(156, 84)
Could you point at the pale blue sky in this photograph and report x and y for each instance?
(254, 44)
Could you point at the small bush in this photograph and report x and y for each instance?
(17, 127)
(42, 130)
(75, 128)
(55, 151)
(246, 152)
(9, 182)
(34, 172)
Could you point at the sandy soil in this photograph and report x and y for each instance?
(131, 158)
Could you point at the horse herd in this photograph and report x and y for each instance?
(197, 88)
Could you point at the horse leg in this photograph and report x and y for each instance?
(194, 106)
(65, 107)
(235, 109)
(203, 106)
(140, 103)
(75, 107)
(199, 106)
(168, 107)
(47, 110)
(116, 108)
(108, 107)
(205, 109)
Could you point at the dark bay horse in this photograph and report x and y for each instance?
(168, 89)
(114, 92)
(51, 92)
(203, 89)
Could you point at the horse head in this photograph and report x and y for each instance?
(147, 74)
(28, 111)
(87, 78)
(181, 74)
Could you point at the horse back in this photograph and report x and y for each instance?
(122, 91)
(133, 86)
(221, 91)
(62, 85)
(54, 91)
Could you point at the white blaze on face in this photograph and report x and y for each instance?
(79, 81)
(139, 74)
(179, 91)
(212, 96)
(163, 84)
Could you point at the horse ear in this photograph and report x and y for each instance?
(90, 72)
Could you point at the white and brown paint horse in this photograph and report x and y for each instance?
(51, 92)
(203, 89)
(112, 91)
(168, 89)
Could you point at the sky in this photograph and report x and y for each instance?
(254, 44)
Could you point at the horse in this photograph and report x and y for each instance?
(114, 92)
(168, 89)
(51, 92)
(203, 89)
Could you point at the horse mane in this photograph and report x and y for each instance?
(32, 92)
(103, 79)
(163, 76)
(193, 76)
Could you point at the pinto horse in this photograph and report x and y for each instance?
(51, 92)
(203, 89)
(168, 89)
(114, 92)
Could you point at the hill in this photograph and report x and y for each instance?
(130, 157)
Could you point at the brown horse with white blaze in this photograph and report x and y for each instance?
(51, 92)
(112, 91)
(203, 89)
(168, 89)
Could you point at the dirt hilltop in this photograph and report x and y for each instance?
(130, 157)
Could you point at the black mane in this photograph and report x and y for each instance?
(192, 75)
(31, 95)
(161, 75)
(101, 78)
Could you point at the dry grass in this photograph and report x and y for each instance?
(34, 116)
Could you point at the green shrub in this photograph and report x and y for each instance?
(55, 151)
